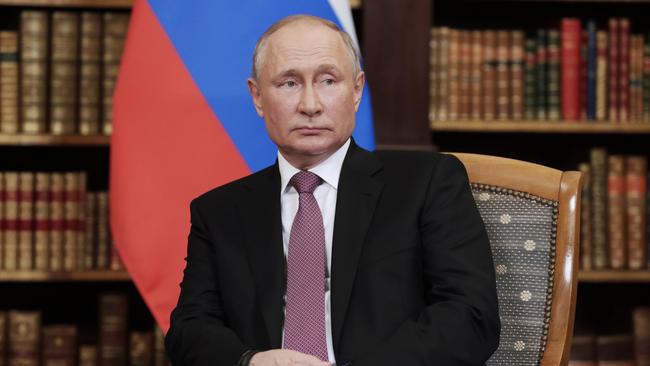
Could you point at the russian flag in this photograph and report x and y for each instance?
(184, 123)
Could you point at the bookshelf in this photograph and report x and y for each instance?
(53, 140)
(61, 276)
(614, 276)
(98, 4)
(540, 127)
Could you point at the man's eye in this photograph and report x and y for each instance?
(289, 84)
(328, 81)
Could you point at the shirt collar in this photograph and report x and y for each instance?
(329, 170)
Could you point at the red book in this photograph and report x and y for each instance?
(570, 66)
(624, 70)
(613, 65)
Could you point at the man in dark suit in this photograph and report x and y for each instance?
(396, 252)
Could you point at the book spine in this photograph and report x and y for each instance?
(113, 329)
(434, 51)
(641, 325)
(517, 74)
(140, 348)
(646, 81)
(102, 231)
(59, 345)
(443, 75)
(34, 36)
(601, 76)
(80, 222)
(553, 76)
(592, 50)
(454, 74)
(542, 75)
(8, 82)
(10, 255)
(616, 212)
(476, 80)
(570, 69)
(24, 338)
(530, 81)
(465, 54)
(88, 355)
(3, 338)
(90, 73)
(90, 240)
(647, 226)
(2, 218)
(63, 72)
(57, 224)
(489, 75)
(26, 221)
(582, 76)
(116, 263)
(42, 221)
(636, 187)
(115, 26)
(633, 79)
(503, 77)
(638, 82)
(585, 219)
(613, 68)
(624, 69)
(599, 207)
(71, 206)
(160, 356)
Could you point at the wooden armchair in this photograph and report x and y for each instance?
(531, 213)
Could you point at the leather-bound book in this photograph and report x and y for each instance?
(601, 76)
(2, 218)
(26, 221)
(636, 79)
(70, 215)
(42, 221)
(476, 76)
(646, 80)
(571, 34)
(88, 355)
(64, 58)
(3, 338)
(159, 355)
(489, 75)
(34, 35)
(624, 69)
(591, 47)
(434, 83)
(113, 329)
(641, 323)
(24, 338)
(116, 263)
(90, 237)
(140, 348)
(57, 220)
(542, 75)
(585, 219)
(503, 76)
(80, 221)
(636, 186)
(103, 249)
(443, 75)
(615, 350)
(90, 67)
(598, 165)
(453, 99)
(553, 93)
(613, 65)
(10, 242)
(59, 345)
(9, 82)
(465, 54)
(530, 79)
(583, 351)
(517, 74)
(616, 212)
(115, 26)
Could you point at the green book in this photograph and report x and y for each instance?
(553, 85)
(542, 75)
(530, 79)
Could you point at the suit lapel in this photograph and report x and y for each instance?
(357, 197)
(263, 228)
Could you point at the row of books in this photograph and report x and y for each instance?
(58, 72)
(615, 227)
(25, 341)
(49, 221)
(616, 349)
(576, 72)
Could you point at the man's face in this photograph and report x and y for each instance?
(306, 92)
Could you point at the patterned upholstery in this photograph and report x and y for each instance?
(522, 232)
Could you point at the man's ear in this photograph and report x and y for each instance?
(254, 90)
(358, 89)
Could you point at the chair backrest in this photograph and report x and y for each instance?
(531, 213)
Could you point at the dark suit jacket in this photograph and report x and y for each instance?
(412, 279)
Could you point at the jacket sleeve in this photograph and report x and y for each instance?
(460, 324)
(198, 333)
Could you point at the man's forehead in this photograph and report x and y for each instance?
(305, 34)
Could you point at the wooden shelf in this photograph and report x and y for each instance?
(45, 140)
(115, 4)
(614, 276)
(78, 276)
(540, 127)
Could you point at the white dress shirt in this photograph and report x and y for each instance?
(325, 194)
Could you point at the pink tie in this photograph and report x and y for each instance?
(304, 325)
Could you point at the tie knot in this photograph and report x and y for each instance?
(305, 181)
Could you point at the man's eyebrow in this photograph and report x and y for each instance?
(328, 68)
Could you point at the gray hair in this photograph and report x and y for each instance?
(260, 46)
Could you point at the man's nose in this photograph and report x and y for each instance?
(310, 104)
